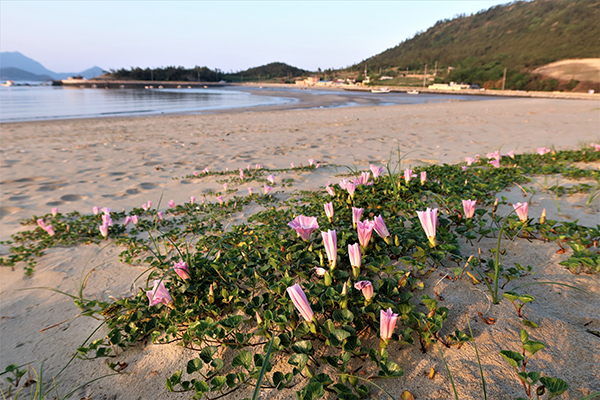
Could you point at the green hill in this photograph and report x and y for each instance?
(274, 71)
(519, 36)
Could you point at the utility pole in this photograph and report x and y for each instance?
(504, 79)
(425, 75)
(151, 75)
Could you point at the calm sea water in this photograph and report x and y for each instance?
(31, 103)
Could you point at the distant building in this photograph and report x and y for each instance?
(310, 81)
(385, 78)
(450, 86)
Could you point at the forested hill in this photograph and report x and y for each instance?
(274, 70)
(519, 36)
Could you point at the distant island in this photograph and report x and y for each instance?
(16, 66)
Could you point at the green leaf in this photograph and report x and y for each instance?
(298, 360)
(201, 386)
(244, 359)
(530, 324)
(279, 380)
(207, 353)
(194, 365)
(339, 335)
(217, 382)
(303, 347)
(313, 391)
(512, 296)
(512, 357)
(533, 346)
(555, 386)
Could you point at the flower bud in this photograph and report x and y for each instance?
(543, 217)
(211, 294)
(259, 320)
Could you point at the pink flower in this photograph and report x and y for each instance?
(106, 210)
(54, 211)
(329, 210)
(464, 168)
(95, 210)
(195, 173)
(241, 173)
(145, 207)
(311, 161)
(160, 215)
(355, 255)
(469, 208)
(292, 165)
(41, 223)
(408, 175)
(380, 228)
(495, 155)
(250, 191)
(248, 167)
(542, 150)
(510, 154)
(495, 163)
(134, 219)
(376, 171)
(330, 190)
(330, 243)
(365, 229)
(351, 187)
(50, 230)
(469, 160)
(159, 294)
(205, 170)
(104, 230)
(320, 271)
(127, 221)
(225, 186)
(181, 269)
(363, 179)
(429, 221)
(271, 179)
(267, 189)
(595, 146)
(258, 166)
(171, 203)
(192, 199)
(304, 226)
(356, 215)
(300, 302)
(107, 220)
(387, 320)
(366, 287)
(521, 210)
(220, 199)
(423, 177)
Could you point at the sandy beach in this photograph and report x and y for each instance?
(123, 162)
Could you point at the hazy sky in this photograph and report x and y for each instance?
(68, 36)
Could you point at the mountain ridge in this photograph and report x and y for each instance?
(16, 60)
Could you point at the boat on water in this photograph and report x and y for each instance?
(412, 92)
(8, 83)
(382, 90)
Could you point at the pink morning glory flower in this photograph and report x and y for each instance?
(329, 210)
(543, 150)
(423, 177)
(300, 302)
(95, 210)
(220, 199)
(160, 215)
(267, 189)
(225, 186)
(469, 208)
(171, 203)
(192, 199)
(104, 230)
(107, 220)
(271, 179)
(330, 190)
(258, 166)
(363, 179)
(429, 222)
(159, 294)
(127, 221)
(241, 173)
(380, 228)
(106, 210)
(376, 171)
(495, 163)
(387, 320)
(356, 215)
(320, 271)
(365, 229)
(521, 210)
(54, 211)
(304, 226)
(134, 219)
(41, 223)
(366, 287)
(50, 230)
(408, 175)
(330, 243)
(292, 165)
(469, 160)
(595, 146)
(355, 255)
(250, 191)
(495, 155)
(181, 269)
(311, 161)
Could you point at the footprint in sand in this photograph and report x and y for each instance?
(72, 197)
(4, 211)
(148, 185)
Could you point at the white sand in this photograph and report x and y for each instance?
(123, 162)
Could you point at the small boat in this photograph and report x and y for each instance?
(382, 90)
(8, 83)
(412, 92)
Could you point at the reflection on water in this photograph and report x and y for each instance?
(24, 103)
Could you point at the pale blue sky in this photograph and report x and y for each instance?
(231, 35)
